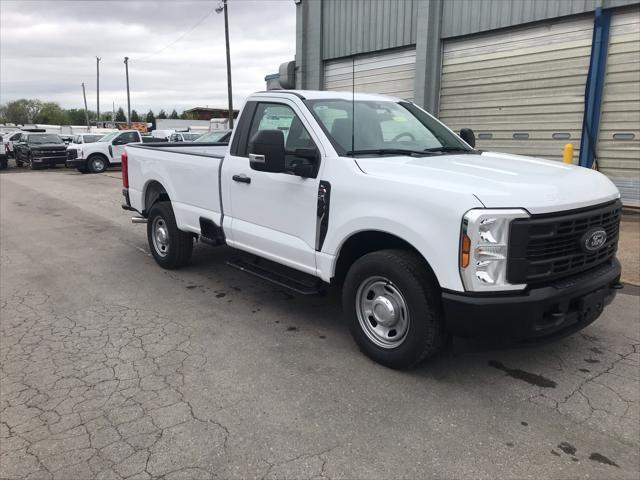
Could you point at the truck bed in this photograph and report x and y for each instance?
(188, 172)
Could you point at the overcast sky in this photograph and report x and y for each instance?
(176, 51)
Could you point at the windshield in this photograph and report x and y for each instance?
(91, 138)
(41, 139)
(383, 127)
(109, 136)
(190, 137)
(212, 136)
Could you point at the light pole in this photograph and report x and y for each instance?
(98, 88)
(126, 68)
(222, 7)
(86, 112)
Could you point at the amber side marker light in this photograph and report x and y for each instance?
(465, 248)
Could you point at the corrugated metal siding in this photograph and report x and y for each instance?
(463, 17)
(390, 73)
(356, 26)
(520, 87)
(619, 137)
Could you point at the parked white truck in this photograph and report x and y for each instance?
(96, 157)
(427, 236)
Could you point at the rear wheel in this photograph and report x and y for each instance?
(97, 164)
(393, 308)
(170, 247)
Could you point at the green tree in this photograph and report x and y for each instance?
(186, 115)
(135, 117)
(174, 115)
(162, 115)
(120, 116)
(75, 116)
(151, 118)
(51, 114)
(22, 111)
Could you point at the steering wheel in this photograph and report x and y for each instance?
(404, 134)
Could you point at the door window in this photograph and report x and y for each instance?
(276, 116)
(125, 138)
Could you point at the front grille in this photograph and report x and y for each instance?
(50, 152)
(548, 247)
(72, 154)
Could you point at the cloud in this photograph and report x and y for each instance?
(47, 49)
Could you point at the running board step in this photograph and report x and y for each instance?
(280, 275)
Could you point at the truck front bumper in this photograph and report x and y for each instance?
(76, 163)
(554, 310)
(49, 160)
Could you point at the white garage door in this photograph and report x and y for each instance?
(389, 73)
(521, 90)
(619, 136)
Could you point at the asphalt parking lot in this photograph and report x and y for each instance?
(114, 368)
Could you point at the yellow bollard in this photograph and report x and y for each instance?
(567, 154)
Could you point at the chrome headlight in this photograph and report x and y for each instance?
(484, 248)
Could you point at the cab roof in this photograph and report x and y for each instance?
(322, 94)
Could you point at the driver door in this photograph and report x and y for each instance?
(118, 143)
(273, 215)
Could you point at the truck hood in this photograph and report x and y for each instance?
(500, 180)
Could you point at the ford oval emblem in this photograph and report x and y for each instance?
(593, 240)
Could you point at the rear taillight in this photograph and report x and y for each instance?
(125, 170)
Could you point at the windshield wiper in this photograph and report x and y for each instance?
(385, 151)
(448, 149)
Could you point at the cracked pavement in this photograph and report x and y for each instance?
(112, 368)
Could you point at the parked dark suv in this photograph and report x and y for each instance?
(40, 149)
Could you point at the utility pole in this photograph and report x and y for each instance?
(98, 87)
(126, 67)
(86, 112)
(223, 8)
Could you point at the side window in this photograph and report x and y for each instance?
(125, 138)
(276, 116)
(174, 138)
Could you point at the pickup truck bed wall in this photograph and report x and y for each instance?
(180, 168)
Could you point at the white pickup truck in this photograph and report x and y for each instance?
(427, 236)
(96, 157)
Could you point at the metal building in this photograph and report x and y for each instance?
(528, 76)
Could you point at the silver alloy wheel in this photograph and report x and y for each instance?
(382, 312)
(160, 235)
(97, 165)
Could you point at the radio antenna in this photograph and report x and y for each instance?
(353, 102)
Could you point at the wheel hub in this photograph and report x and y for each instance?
(382, 312)
(160, 236)
(385, 311)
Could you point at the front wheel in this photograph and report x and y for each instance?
(97, 164)
(393, 308)
(170, 246)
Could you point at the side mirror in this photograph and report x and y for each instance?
(266, 151)
(468, 136)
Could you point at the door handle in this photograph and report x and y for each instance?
(241, 178)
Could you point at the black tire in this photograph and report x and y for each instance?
(82, 170)
(179, 245)
(407, 274)
(97, 163)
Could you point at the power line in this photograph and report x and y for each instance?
(196, 25)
